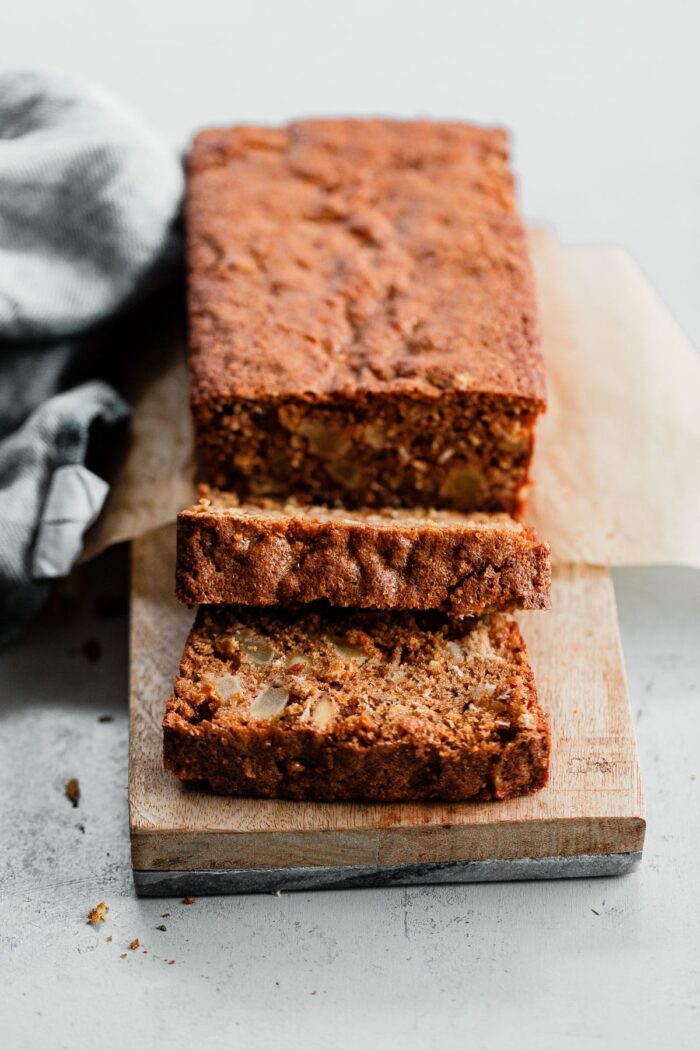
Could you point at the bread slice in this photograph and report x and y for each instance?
(324, 703)
(282, 553)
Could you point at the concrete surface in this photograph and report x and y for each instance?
(603, 98)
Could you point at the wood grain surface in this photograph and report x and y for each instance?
(593, 804)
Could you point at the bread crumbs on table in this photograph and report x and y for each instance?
(171, 962)
(109, 939)
(98, 914)
(72, 789)
(136, 943)
(165, 915)
(123, 955)
(188, 900)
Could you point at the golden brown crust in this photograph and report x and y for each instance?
(328, 704)
(372, 271)
(282, 553)
(334, 257)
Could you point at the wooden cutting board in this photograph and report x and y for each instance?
(588, 821)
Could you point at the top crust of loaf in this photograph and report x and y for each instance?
(341, 259)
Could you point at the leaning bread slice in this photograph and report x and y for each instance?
(277, 554)
(325, 703)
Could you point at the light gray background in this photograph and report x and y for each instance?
(603, 100)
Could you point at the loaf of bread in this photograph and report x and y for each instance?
(366, 378)
(363, 327)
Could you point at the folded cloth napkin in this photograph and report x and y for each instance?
(89, 199)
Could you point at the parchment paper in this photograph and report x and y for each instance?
(617, 464)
